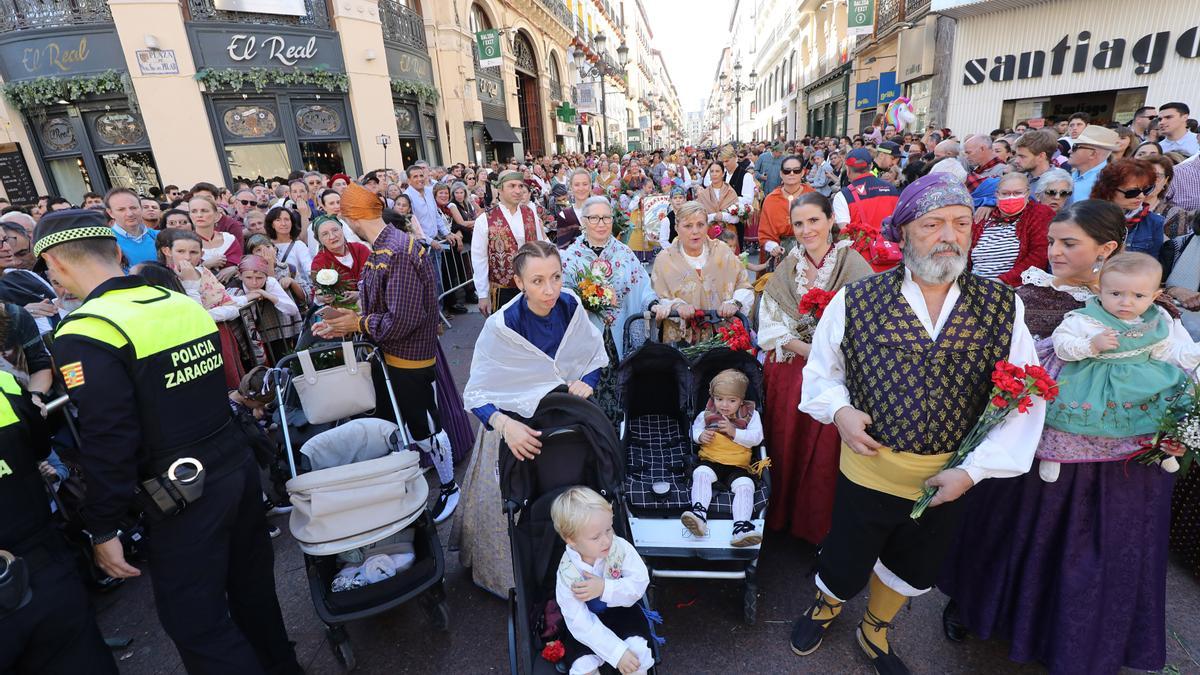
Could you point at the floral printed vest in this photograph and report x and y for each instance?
(923, 395)
(502, 245)
(613, 566)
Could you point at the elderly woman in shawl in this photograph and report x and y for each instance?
(698, 273)
(540, 340)
(804, 452)
(596, 250)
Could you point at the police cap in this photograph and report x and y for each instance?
(889, 148)
(60, 227)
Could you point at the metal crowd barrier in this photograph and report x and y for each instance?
(457, 274)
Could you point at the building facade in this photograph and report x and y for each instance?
(1070, 59)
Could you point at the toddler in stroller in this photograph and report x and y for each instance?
(726, 430)
(599, 582)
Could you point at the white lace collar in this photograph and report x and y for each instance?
(1036, 276)
(824, 273)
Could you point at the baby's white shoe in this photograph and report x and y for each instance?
(1049, 470)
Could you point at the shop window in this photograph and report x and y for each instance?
(133, 170)
(318, 120)
(328, 157)
(250, 121)
(118, 129)
(432, 152)
(406, 121)
(258, 161)
(71, 178)
(409, 152)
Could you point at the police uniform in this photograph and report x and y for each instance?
(143, 366)
(53, 630)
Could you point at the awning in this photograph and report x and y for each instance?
(499, 130)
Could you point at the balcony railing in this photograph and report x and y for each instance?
(888, 14)
(19, 14)
(402, 24)
(913, 9)
(559, 9)
(316, 16)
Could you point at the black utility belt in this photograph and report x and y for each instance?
(166, 493)
(15, 571)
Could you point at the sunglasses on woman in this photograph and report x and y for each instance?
(1057, 194)
(790, 172)
(1136, 192)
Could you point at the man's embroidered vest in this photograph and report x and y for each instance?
(923, 395)
(502, 245)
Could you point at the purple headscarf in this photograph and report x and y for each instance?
(925, 194)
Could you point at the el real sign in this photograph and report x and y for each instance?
(1148, 55)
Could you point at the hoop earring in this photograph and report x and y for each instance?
(1099, 264)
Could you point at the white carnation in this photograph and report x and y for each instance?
(327, 277)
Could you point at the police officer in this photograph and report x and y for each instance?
(143, 367)
(46, 619)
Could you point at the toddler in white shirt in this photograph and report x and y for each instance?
(599, 582)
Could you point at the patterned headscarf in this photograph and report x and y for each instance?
(678, 192)
(923, 195)
(359, 203)
(254, 263)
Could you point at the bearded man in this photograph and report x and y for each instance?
(901, 362)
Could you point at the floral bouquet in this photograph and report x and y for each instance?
(1177, 444)
(1012, 386)
(815, 301)
(870, 243)
(621, 219)
(328, 283)
(554, 651)
(733, 336)
(740, 211)
(594, 288)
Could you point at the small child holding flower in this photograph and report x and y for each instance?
(599, 582)
(1126, 362)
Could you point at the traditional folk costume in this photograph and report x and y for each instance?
(635, 233)
(924, 381)
(602, 629)
(1074, 572)
(1119, 396)
(775, 222)
(706, 281)
(804, 452)
(397, 294)
(717, 201)
(630, 283)
(519, 358)
(498, 233)
(726, 459)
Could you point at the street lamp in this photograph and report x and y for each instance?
(736, 87)
(602, 68)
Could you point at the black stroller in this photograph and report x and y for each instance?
(394, 464)
(579, 447)
(661, 392)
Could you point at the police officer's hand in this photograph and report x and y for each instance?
(110, 557)
(41, 309)
(852, 425)
(951, 484)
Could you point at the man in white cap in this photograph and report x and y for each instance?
(1088, 158)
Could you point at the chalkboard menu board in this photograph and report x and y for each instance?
(14, 175)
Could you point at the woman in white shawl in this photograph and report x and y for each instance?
(541, 340)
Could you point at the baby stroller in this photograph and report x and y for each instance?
(579, 447)
(661, 392)
(355, 487)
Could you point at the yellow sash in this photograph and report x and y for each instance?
(723, 450)
(900, 474)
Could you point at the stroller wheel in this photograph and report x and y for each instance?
(343, 651)
(750, 604)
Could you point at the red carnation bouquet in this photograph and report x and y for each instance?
(815, 301)
(1012, 387)
(868, 240)
(554, 651)
(733, 336)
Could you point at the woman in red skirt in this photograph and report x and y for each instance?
(804, 453)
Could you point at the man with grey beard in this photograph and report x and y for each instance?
(901, 363)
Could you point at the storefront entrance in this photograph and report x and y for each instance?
(93, 147)
(529, 97)
(268, 136)
(1102, 106)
